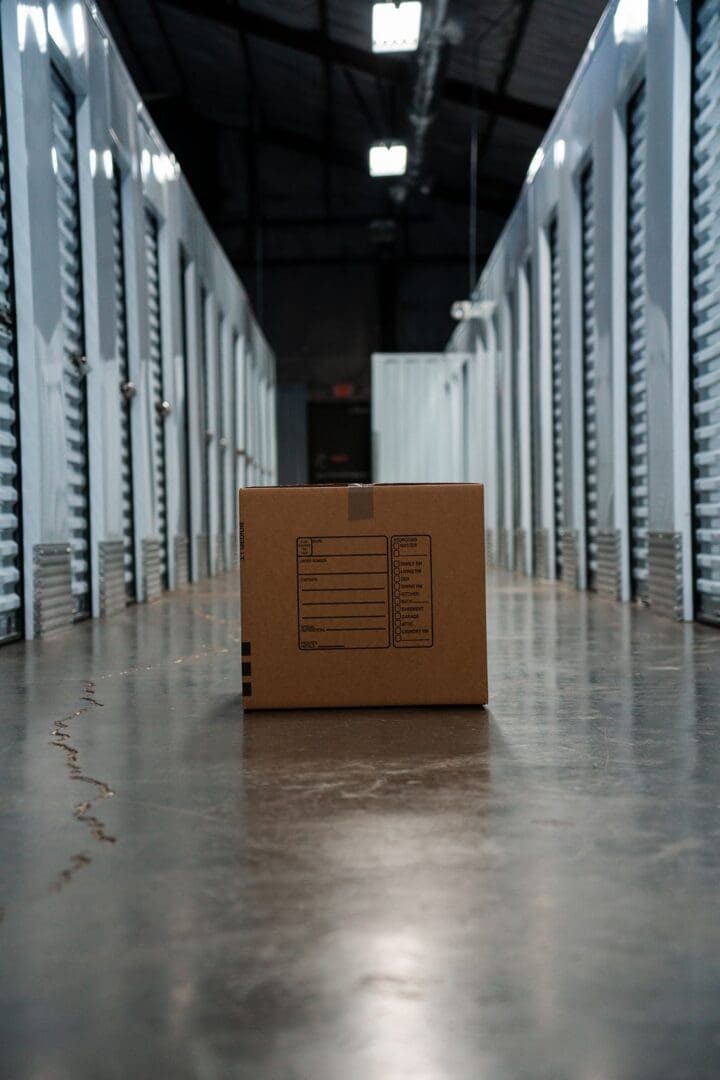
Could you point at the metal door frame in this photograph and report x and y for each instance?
(640, 88)
(150, 214)
(699, 615)
(59, 70)
(585, 169)
(15, 367)
(129, 395)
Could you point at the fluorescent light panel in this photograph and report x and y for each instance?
(630, 20)
(396, 27)
(388, 159)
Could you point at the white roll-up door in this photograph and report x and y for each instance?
(152, 265)
(636, 343)
(705, 310)
(502, 549)
(535, 424)
(233, 447)
(587, 213)
(515, 414)
(204, 384)
(10, 583)
(65, 165)
(556, 367)
(186, 419)
(221, 439)
(126, 390)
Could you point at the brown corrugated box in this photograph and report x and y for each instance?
(363, 595)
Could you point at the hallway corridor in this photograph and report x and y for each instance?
(530, 891)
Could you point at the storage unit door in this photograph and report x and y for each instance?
(183, 571)
(556, 367)
(126, 392)
(152, 263)
(10, 583)
(65, 164)
(221, 441)
(233, 447)
(535, 429)
(705, 309)
(502, 542)
(207, 434)
(636, 344)
(587, 211)
(515, 412)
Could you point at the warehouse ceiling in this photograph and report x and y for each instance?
(271, 107)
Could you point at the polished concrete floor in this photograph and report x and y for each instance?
(531, 891)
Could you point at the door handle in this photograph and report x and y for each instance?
(80, 362)
(163, 409)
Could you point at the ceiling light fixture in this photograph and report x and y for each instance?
(630, 20)
(388, 159)
(396, 26)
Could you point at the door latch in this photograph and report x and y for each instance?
(80, 362)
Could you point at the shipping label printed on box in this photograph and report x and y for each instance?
(364, 592)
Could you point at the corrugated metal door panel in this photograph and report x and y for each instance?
(126, 391)
(499, 454)
(534, 419)
(152, 265)
(65, 164)
(233, 451)
(636, 343)
(705, 308)
(221, 440)
(187, 425)
(587, 212)
(556, 370)
(10, 582)
(207, 427)
(514, 320)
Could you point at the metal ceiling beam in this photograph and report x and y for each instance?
(508, 66)
(312, 43)
(375, 128)
(496, 195)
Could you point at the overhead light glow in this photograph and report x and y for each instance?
(54, 159)
(388, 159)
(33, 15)
(164, 167)
(78, 25)
(55, 30)
(145, 164)
(537, 160)
(396, 27)
(93, 162)
(108, 164)
(630, 20)
(559, 153)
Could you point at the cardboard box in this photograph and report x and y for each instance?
(363, 595)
